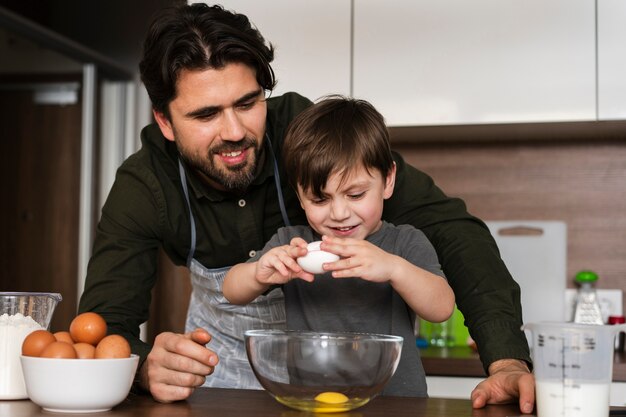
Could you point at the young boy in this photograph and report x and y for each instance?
(339, 160)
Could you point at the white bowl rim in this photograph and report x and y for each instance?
(132, 357)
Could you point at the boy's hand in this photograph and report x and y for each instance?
(359, 259)
(279, 265)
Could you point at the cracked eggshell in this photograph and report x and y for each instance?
(315, 257)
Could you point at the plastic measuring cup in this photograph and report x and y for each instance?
(573, 367)
(20, 314)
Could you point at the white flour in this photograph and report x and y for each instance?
(13, 331)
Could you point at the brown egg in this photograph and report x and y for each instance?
(88, 328)
(113, 346)
(36, 342)
(64, 337)
(59, 350)
(84, 350)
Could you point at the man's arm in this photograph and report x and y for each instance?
(122, 268)
(484, 289)
(120, 277)
(485, 292)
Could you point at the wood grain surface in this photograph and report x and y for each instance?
(215, 402)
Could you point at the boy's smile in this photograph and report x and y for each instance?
(349, 206)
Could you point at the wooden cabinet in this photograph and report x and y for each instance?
(40, 179)
(611, 59)
(433, 62)
(312, 41)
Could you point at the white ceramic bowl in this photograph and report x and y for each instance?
(322, 372)
(78, 385)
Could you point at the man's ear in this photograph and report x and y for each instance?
(164, 124)
(390, 182)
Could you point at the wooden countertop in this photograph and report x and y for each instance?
(463, 361)
(215, 402)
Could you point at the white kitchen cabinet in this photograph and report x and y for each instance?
(611, 59)
(311, 40)
(431, 62)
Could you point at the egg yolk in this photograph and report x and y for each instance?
(331, 398)
(333, 402)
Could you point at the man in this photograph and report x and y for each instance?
(207, 188)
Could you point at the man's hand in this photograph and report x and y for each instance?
(177, 364)
(509, 379)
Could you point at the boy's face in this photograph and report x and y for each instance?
(351, 206)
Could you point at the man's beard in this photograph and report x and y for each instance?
(234, 178)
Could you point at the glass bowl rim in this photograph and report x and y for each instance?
(54, 295)
(313, 335)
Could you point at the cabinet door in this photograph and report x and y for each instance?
(312, 41)
(40, 182)
(429, 62)
(611, 59)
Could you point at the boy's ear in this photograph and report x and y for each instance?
(164, 124)
(390, 182)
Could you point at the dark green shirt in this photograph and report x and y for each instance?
(146, 209)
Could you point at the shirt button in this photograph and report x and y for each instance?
(242, 203)
(252, 253)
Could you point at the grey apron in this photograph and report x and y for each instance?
(208, 309)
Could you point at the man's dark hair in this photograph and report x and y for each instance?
(197, 37)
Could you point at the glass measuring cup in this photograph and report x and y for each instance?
(573, 367)
(20, 314)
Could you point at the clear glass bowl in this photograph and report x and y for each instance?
(20, 314)
(38, 305)
(322, 372)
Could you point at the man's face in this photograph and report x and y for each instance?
(217, 121)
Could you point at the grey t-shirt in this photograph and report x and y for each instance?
(356, 305)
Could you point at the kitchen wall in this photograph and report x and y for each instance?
(582, 183)
(579, 178)
(42, 150)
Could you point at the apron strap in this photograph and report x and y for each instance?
(281, 201)
(183, 180)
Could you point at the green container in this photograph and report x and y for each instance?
(450, 333)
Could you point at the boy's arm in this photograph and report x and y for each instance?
(244, 282)
(240, 284)
(427, 294)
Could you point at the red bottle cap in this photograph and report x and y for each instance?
(616, 319)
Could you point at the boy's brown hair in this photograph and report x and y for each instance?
(335, 135)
